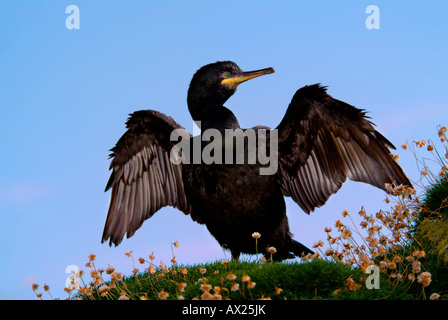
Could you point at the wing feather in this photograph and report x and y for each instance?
(143, 178)
(324, 141)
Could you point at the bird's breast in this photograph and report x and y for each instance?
(228, 190)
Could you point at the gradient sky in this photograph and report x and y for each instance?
(66, 94)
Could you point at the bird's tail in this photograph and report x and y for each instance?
(298, 249)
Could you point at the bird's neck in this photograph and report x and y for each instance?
(213, 117)
(220, 118)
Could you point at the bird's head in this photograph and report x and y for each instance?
(214, 83)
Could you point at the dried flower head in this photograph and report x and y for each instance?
(151, 269)
(272, 250)
(123, 296)
(350, 284)
(235, 287)
(206, 296)
(318, 244)
(278, 290)
(231, 277)
(103, 289)
(163, 295)
(183, 271)
(424, 279)
(434, 296)
(245, 278)
(205, 287)
(256, 235)
(181, 286)
(416, 266)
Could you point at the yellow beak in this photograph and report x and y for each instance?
(240, 78)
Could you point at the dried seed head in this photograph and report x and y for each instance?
(206, 296)
(245, 278)
(318, 244)
(434, 296)
(231, 277)
(151, 269)
(416, 266)
(272, 250)
(183, 271)
(163, 295)
(103, 289)
(424, 279)
(205, 287)
(181, 286)
(256, 235)
(235, 287)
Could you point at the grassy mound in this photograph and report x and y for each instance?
(316, 279)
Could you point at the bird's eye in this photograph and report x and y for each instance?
(226, 74)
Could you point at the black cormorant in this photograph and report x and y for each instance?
(322, 141)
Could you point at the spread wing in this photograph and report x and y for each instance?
(322, 141)
(143, 178)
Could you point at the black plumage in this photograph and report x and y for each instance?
(321, 142)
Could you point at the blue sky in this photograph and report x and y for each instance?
(66, 94)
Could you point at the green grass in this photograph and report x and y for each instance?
(431, 233)
(316, 279)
